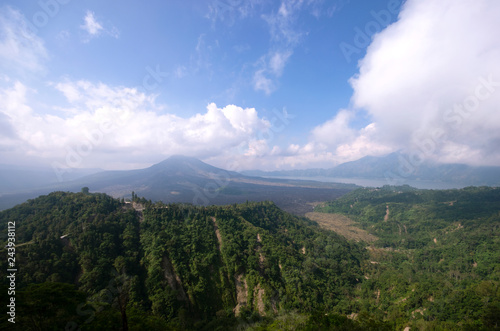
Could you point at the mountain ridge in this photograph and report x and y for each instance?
(396, 169)
(188, 180)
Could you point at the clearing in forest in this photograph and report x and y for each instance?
(342, 225)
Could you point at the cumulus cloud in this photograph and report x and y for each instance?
(109, 126)
(335, 131)
(430, 85)
(20, 48)
(433, 78)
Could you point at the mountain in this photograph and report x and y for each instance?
(397, 168)
(189, 180)
(172, 179)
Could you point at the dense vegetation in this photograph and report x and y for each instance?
(436, 264)
(92, 262)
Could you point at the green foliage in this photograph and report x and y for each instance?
(45, 306)
(100, 263)
(437, 262)
(177, 265)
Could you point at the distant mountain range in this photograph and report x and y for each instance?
(189, 180)
(397, 169)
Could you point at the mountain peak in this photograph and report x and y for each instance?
(180, 160)
(187, 165)
(180, 157)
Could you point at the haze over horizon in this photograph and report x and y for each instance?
(250, 84)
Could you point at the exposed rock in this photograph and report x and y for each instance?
(173, 279)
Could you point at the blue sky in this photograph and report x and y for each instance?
(247, 84)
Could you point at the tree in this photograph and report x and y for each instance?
(49, 306)
(85, 190)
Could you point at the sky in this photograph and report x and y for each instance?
(248, 84)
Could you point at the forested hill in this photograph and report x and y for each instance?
(93, 262)
(436, 264)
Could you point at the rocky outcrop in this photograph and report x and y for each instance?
(172, 278)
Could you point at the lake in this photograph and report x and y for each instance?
(421, 184)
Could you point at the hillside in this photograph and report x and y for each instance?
(171, 266)
(424, 259)
(436, 264)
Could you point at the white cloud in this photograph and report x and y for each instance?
(111, 126)
(228, 11)
(430, 84)
(271, 68)
(436, 57)
(335, 131)
(93, 28)
(278, 61)
(91, 25)
(20, 49)
(262, 83)
(285, 37)
(282, 23)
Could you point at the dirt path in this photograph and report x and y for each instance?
(386, 217)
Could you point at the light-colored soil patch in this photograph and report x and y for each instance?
(241, 294)
(386, 217)
(258, 300)
(418, 311)
(342, 225)
(30, 242)
(217, 233)
(138, 207)
(262, 259)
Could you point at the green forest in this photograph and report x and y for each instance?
(436, 263)
(87, 261)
